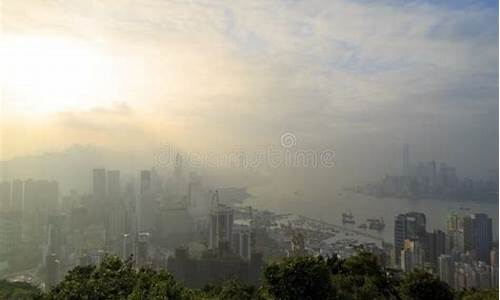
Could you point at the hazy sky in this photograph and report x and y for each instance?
(360, 77)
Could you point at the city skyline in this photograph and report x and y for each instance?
(264, 149)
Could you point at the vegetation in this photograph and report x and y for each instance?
(478, 295)
(17, 291)
(359, 277)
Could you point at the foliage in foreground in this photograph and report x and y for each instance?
(359, 277)
(17, 290)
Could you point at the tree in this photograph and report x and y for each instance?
(361, 277)
(478, 295)
(299, 278)
(421, 285)
(232, 290)
(18, 290)
(115, 279)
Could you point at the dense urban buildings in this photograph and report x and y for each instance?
(202, 234)
(433, 180)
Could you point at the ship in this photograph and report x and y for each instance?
(376, 224)
(363, 226)
(348, 218)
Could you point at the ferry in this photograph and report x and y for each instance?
(348, 218)
(376, 224)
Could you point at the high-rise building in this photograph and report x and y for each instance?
(474, 275)
(194, 190)
(494, 257)
(456, 233)
(4, 195)
(412, 255)
(30, 196)
(468, 233)
(99, 207)
(483, 236)
(242, 241)
(143, 240)
(116, 225)
(10, 232)
(131, 209)
(446, 268)
(56, 225)
(17, 196)
(145, 182)
(41, 198)
(221, 224)
(494, 276)
(408, 226)
(53, 267)
(179, 187)
(146, 206)
(483, 275)
(399, 236)
(114, 186)
(435, 246)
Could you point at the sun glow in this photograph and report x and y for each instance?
(44, 74)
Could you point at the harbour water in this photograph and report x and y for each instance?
(330, 209)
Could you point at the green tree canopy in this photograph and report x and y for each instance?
(421, 285)
(359, 277)
(115, 279)
(299, 278)
(18, 290)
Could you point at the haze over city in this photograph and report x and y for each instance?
(357, 113)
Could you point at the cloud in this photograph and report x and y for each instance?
(330, 71)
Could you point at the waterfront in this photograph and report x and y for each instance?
(330, 209)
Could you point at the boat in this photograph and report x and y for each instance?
(376, 224)
(363, 226)
(348, 218)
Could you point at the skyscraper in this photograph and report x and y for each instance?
(4, 195)
(412, 255)
(408, 226)
(113, 186)
(245, 241)
(56, 223)
(221, 224)
(455, 230)
(143, 240)
(435, 246)
(179, 184)
(16, 203)
(99, 207)
(53, 266)
(10, 232)
(146, 209)
(446, 268)
(483, 236)
(145, 182)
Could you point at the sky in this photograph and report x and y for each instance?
(359, 77)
